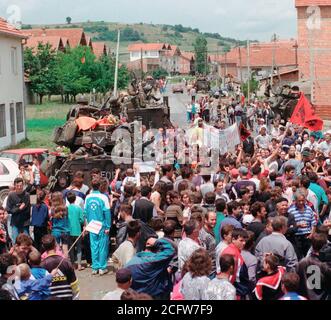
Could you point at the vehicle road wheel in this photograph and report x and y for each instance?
(3, 194)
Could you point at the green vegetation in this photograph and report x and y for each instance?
(41, 122)
(102, 33)
(68, 74)
(178, 35)
(160, 73)
(201, 54)
(254, 85)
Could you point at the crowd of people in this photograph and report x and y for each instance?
(253, 230)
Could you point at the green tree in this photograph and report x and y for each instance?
(40, 65)
(106, 75)
(201, 53)
(159, 73)
(254, 85)
(76, 71)
(68, 19)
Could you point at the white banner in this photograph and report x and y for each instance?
(232, 137)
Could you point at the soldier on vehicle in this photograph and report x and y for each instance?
(88, 149)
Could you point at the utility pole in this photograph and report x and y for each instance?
(240, 70)
(273, 39)
(312, 65)
(116, 65)
(141, 63)
(248, 70)
(226, 64)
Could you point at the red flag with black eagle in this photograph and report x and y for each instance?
(244, 132)
(304, 115)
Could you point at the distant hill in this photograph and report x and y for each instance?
(179, 35)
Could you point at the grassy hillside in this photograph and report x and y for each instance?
(183, 37)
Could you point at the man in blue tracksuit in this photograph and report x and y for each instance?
(97, 208)
(149, 269)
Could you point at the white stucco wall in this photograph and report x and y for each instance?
(11, 86)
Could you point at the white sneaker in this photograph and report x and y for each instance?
(103, 272)
(94, 272)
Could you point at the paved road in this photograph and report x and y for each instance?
(177, 104)
(95, 287)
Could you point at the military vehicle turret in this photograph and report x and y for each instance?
(283, 100)
(99, 123)
(202, 84)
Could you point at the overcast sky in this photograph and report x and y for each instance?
(241, 19)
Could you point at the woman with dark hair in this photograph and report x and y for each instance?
(269, 287)
(158, 197)
(174, 212)
(195, 282)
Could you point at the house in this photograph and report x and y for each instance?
(56, 42)
(262, 56)
(75, 36)
(187, 63)
(151, 56)
(314, 47)
(99, 49)
(12, 105)
(146, 56)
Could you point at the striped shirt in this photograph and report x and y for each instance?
(306, 216)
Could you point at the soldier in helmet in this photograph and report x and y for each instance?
(148, 88)
(133, 91)
(88, 149)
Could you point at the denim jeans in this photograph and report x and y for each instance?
(16, 231)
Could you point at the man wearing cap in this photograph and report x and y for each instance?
(124, 281)
(88, 149)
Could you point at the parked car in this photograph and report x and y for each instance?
(8, 173)
(19, 155)
(178, 88)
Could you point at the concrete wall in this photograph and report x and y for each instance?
(11, 87)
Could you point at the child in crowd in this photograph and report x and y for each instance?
(34, 260)
(60, 228)
(40, 218)
(29, 289)
(76, 220)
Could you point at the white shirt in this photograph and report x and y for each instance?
(124, 253)
(186, 248)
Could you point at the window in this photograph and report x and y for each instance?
(2, 121)
(19, 117)
(3, 170)
(14, 60)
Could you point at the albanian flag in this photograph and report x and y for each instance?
(304, 115)
(244, 132)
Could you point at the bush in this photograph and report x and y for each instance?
(160, 73)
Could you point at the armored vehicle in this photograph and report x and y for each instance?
(202, 85)
(99, 123)
(284, 100)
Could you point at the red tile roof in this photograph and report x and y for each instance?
(8, 29)
(261, 54)
(99, 49)
(187, 55)
(76, 36)
(148, 47)
(56, 42)
(307, 3)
